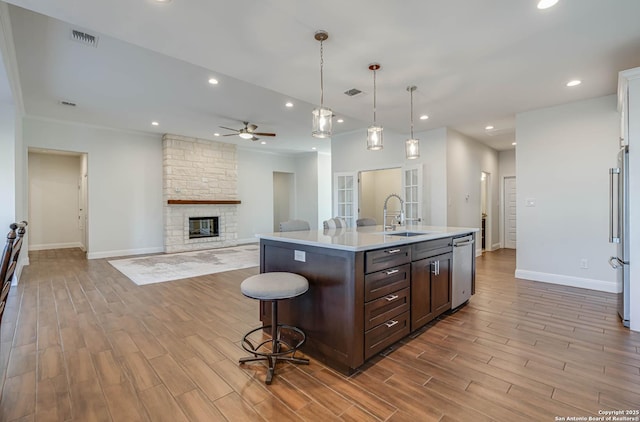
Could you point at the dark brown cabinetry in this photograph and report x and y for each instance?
(430, 281)
(387, 298)
(361, 302)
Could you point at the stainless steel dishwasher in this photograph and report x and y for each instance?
(462, 276)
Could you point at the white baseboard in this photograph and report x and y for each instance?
(248, 240)
(124, 252)
(46, 246)
(565, 280)
(496, 246)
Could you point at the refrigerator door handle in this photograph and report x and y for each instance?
(612, 238)
(614, 262)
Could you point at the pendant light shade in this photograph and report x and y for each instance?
(322, 116)
(374, 132)
(412, 145)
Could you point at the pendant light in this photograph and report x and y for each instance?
(412, 145)
(321, 115)
(374, 132)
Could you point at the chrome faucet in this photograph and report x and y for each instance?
(384, 212)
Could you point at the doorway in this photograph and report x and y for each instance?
(57, 199)
(283, 198)
(509, 224)
(375, 186)
(483, 209)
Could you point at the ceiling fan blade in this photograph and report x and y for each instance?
(231, 134)
(264, 134)
(251, 128)
(254, 138)
(228, 128)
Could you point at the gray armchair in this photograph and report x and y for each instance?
(294, 226)
(365, 222)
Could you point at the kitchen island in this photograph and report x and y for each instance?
(368, 288)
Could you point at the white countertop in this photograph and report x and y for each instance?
(365, 238)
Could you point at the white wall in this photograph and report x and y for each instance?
(466, 160)
(307, 188)
(255, 190)
(506, 168)
(53, 201)
(324, 187)
(7, 169)
(349, 154)
(124, 183)
(562, 160)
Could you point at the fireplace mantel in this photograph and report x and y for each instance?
(202, 202)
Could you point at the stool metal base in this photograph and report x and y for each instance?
(280, 348)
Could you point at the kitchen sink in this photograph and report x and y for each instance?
(407, 234)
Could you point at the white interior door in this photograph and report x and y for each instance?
(510, 212)
(412, 192)
(345, 200)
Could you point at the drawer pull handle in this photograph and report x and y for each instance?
(391, 298)
(390, 272)
(392, 251)
(390, 323)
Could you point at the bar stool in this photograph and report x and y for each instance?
(273, 287)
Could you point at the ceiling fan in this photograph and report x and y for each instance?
(247, 132)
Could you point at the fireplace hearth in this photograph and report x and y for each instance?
(200, 227)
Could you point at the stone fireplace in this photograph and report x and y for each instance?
(200, 182)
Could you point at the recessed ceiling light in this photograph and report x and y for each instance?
(213, 81)
(314, 148)
(574, 82)
(216, 134)
(488, 127)
(289, 104)
(263, 142)
(424, 117)
(545, 4)
(155, 123)
(513, 143)
(163, 1)
(340, 120)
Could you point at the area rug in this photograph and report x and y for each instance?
(167, 267)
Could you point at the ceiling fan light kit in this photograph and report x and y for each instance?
(412, 145)
(322, 116)
(247, 132)
(374, 132)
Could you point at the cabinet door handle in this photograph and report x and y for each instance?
(391, 323)
(390, 272)
(392, 251)
(391, 298)
(437, 267)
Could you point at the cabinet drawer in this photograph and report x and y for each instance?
(387, 258)
(383, 309)
(431, 248)
(387, 281)
(384, 335)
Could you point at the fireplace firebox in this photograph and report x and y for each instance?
(203, 227)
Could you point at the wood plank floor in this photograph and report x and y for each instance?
(80, 342)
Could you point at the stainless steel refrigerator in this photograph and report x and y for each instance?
(619, 228)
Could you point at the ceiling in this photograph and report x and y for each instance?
(475, 63)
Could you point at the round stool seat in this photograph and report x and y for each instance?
(274, 286)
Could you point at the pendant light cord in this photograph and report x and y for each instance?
(321, 77)
(411, 117)
(374, 97)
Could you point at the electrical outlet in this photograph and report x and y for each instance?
(584, 263)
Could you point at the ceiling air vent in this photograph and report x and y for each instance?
(67, 103)
(353, 92)
(84, 38)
